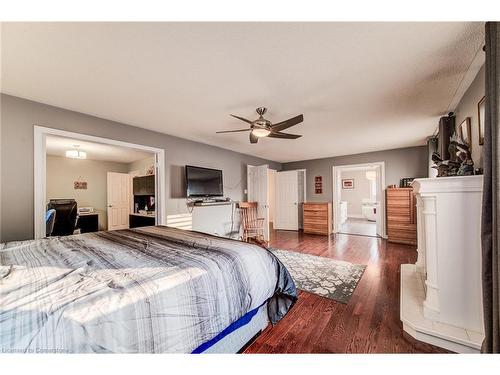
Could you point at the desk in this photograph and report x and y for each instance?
(141, 220)
(88, 222)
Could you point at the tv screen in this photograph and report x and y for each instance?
(203, 182)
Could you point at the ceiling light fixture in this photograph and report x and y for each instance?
(76, 153)
(371, 175)
(260, 132)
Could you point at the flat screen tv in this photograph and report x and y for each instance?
(203, 182)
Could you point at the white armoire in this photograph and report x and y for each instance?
(441, 297)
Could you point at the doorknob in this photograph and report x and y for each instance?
(110, 205)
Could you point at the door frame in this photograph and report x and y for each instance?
(266, 208)
(301, 222)
(336, 180)
(40, 172)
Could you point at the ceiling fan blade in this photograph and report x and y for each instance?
(284, 135)
(233, 131)
(253, 138)
(242, 119)
(286, 124)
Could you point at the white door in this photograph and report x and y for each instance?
(286, 215)
(118, 200)
(257, 185)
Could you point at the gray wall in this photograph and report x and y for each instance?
(399, 163)
(141, 166)
(18, 116)
(468, 108)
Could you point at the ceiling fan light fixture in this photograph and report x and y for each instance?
(261, 127)
(259, 132)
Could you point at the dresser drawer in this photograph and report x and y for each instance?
(398, 202)
(315, 207)
(316, 229)
(398, 210)
(316, 214)
(314, 223)
(399, 193)
(401, 226)
(397, 219)
(407, 240)
(401, 233)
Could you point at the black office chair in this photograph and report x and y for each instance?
(50, 218)
(66, 216)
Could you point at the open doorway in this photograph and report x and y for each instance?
(92, 186)
(87, 184)
(358, 199)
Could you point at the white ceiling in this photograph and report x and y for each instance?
(361, 86)
(57, 146)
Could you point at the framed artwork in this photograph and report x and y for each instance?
(348, 183)
(318, 184)
(464, 132)
(480, 119)
(80, 185)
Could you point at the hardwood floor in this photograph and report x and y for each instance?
(369, 323)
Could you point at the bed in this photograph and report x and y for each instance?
(146, 290)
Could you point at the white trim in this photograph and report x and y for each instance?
(40, 160)
(305, 182)
(448, 184)
(301, 221)
(336, 170)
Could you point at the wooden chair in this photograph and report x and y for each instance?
(253, 226)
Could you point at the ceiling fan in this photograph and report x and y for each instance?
(261, 127)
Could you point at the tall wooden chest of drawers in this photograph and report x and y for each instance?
(318, 218)
(401, 216)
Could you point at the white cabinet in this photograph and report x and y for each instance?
(343, 212)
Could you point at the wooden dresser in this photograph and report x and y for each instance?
(401, 216)
(318, 218)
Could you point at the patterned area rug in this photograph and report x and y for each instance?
(326, 277)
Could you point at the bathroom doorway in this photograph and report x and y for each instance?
(359, 200)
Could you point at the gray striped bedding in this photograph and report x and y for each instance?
(146, 290)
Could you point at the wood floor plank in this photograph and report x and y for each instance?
(368, 323)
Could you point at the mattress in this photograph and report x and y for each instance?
(146, 290)
(234, 340)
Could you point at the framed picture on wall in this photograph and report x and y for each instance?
(348, 183)
(464, 132)
(480, 119)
